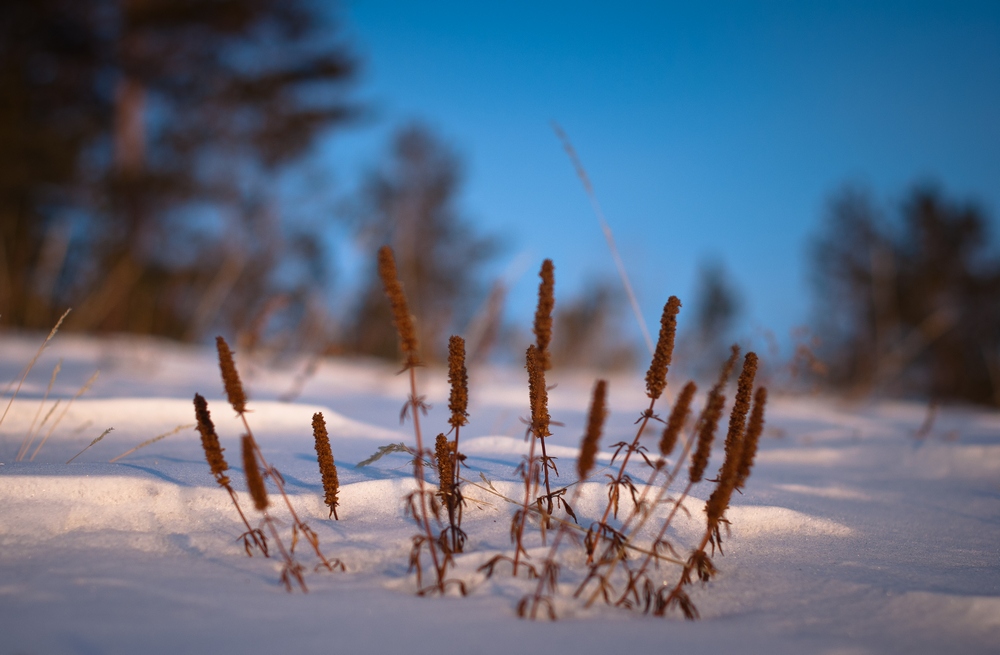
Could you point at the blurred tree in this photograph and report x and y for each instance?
(409, 203)
(587, 332)
(714, 311)
(139, 144)
(911, 307)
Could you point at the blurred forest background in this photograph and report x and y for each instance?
(142, 148)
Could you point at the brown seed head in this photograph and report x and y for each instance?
(738, 417)
(255, 483)
(446, 466)
(210, 441)
(595, 424)
(678, 417)
(656, 377)
(458, 377)
(538, 395)
(327, 467)
(754, 430)
(230, 378)
(401, 317)
(714, 405)
(543, 314)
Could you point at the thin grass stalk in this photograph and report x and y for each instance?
(31, 364)
(606, 230)
(86, 386)
(29, 437)
(150, 442)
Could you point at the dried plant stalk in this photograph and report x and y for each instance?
(327, 467)
(656, 376)
(543, 313)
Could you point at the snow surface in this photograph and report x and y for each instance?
(854, 535)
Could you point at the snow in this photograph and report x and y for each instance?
(853, 536)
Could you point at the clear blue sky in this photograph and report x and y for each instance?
(710, 130)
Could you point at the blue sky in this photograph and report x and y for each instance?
(710, 130)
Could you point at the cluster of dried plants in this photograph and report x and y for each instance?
(257, 470)
(624, 566)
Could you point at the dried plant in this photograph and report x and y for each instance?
(421, 504)
(656, 382)
(217, 464)
(458, 403)
(327, 467)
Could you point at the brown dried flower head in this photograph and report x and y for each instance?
(255, 483)
(538, 395)
(595, 425)
(210, 441)
(327, 467)
(401, 318)
(737, 418)
(446, 465)
(678, 417)
(543, 314)
(656, 377)
(754, 430)
(458, 377)
(230, 378)
(710, 420)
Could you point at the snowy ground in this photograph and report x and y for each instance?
(854, 536)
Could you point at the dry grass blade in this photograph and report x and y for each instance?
(103, 434)
(86, 386)
(31, 364)
(150, 442)
(606, 229)
(29, 437)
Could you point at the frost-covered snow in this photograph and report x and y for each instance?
(853, 536)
